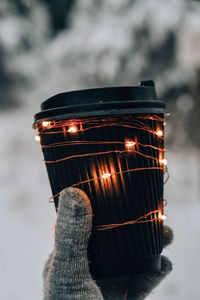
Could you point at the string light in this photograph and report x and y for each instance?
(71, 143)
(88, 124)
(130, 145)
(159, 133)
(100, 153)
(72, 129)
(142, 219)
(106, 175)
(46, 123)
(112, 174)
(96, 120)
(163, 161)
(98, 123)
(37, 138)
(163, 217)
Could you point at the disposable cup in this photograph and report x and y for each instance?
(109, 142)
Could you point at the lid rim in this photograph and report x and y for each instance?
(102, 101)
(145, 91)
(101, 109)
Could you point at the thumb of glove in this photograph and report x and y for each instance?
(66, 274)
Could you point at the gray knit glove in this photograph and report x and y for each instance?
(66, 273)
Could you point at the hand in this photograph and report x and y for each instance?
(66, 273)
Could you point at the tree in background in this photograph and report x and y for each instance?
(52, 46)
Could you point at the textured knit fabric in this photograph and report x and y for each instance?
(134, 287)
(66, 273)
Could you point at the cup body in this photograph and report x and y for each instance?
(117, 159)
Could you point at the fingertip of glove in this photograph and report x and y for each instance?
(166, 265)
(75, 200)
(168, 236)
(73, 224)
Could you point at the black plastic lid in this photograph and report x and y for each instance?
(101, 101)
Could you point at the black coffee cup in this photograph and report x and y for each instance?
(109, 142)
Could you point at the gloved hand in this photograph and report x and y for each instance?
(66, 273)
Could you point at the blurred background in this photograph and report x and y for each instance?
(47, 47)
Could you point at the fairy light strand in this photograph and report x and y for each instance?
(72, 143)
(142, 219)
(106, 177)
(131, 146)
(96, 120)
(135, 124)
(102, 153)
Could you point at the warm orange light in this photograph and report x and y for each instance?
(106, 175)
(159, 133)
(72, 129)
(162, 217)
(163, 161)
(37, 138)
(46, 123)
(130, 144)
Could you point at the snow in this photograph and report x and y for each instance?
(182, 193)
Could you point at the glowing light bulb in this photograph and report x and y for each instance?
(163, 217)
(45, 123)
(37, 138)
(73, 129)
(130, 144)
(164, 162)
(159, 133)
(106, 175)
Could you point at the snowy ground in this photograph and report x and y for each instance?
(183, 195)
(26, 217)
